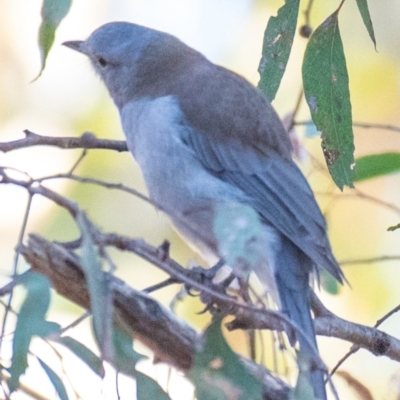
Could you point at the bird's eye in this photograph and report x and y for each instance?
(102, 61)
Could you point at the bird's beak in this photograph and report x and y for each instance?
(76, 45)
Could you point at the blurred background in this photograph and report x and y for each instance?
(68, 99)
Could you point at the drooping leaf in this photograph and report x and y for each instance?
(30, 322)
(99, 291)
(125, 358)
(83, 353)
(48, 328)
(362, 392)
(393, 228)
(303, 389)
(237, 228)
(364, 11)
(326, 89)
(278, 40)
(375, 165)
(55, 380)
(53, 12)
(329, 283)
(217, 372)
(149, 389)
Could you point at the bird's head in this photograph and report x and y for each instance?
(128, 56)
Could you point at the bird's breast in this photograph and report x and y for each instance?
(175, 177)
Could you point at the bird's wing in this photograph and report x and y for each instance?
(278, 189)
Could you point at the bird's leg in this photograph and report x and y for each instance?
(211, 277)
(218, 278)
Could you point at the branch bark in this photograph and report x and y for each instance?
(328, 324)
(171, 340)
(86, 141)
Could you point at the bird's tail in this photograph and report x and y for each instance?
(292, 279)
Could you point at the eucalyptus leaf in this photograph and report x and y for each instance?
(98, 285)
(278, 40)
(303, 389)
(83, 353)
(55, 380)
(125, 358)
(326, 88)
(364, 11)
(218, 373)
(149, 389)
(53, 12)
(237, 228)
(31, 318)
(375, 165)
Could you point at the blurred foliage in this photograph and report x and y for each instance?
(53, 12)
(278, 40)
(218, 373)
(376, 165)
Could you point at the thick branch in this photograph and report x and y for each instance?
(328, 324)
(86, 141)
(369, 338)
(171, 340)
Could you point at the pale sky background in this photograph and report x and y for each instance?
(68, 100)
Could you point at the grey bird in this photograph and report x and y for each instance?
(202, 135)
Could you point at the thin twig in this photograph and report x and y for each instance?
(307, 12)
(295, 111)
(357, 347)
(78, 161)
(370, 260)
(94, 181)
(365, 125)
(86, 141)
(85, 315)
(358, 194)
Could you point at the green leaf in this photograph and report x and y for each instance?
(53, 12)
(218, 373)
(364, 11)
(48, 328)
(326, 88)
(329, 283)
(83, 353)
(149, 389)
(99, 290)
(125, 358)
(278, 40)
(237, 228)
(30, 322)
(55, 380)
(393, 228)
(303, 389)
(375, 165)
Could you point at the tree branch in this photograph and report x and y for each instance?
(328, 324)
(86, 141)
(171, 340)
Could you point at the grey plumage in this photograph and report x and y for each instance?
(203, 135)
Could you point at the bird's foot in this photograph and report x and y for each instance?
(217, 279)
